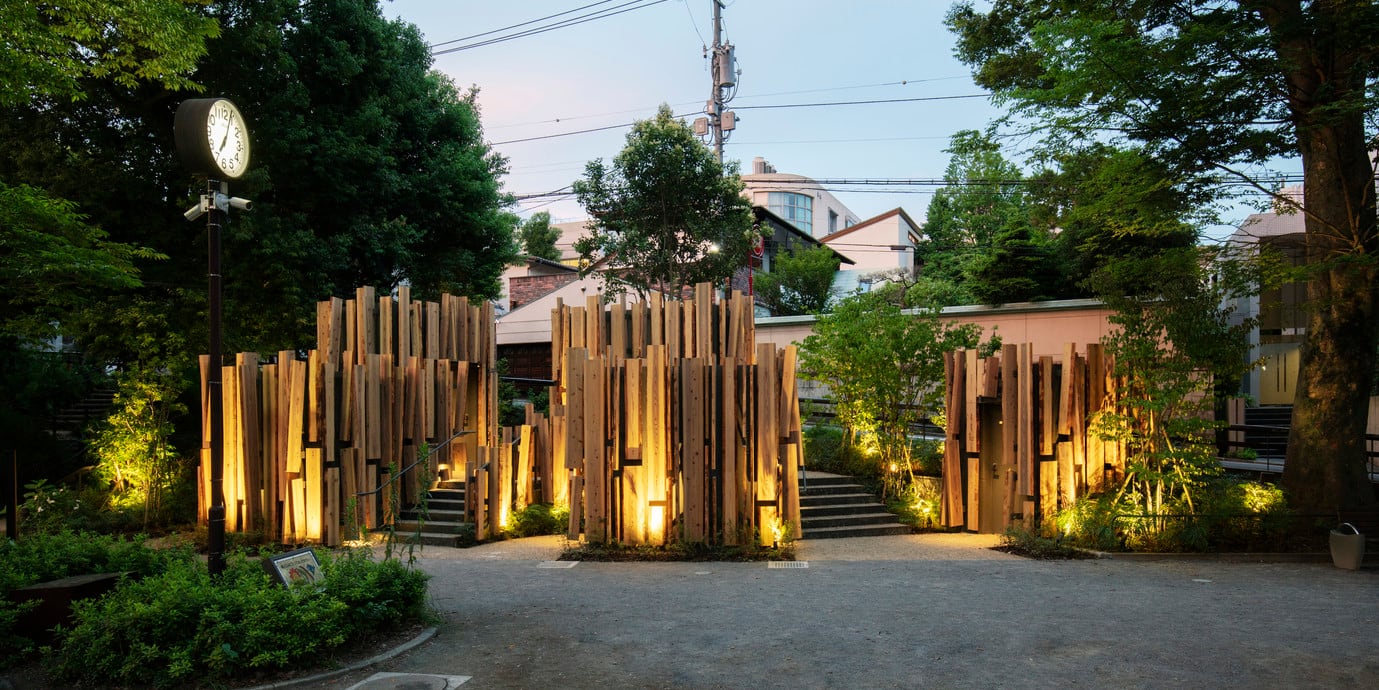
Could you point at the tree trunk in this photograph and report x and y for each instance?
(1326, 464)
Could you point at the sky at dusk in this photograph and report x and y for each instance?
(606, 72)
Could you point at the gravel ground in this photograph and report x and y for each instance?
(908, 611)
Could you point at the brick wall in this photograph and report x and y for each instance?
(523, 290)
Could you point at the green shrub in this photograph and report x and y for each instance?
(181, 627)
(1023, 542)
(537, 519)
(44, 557)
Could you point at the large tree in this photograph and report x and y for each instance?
(666, 213)
(1211, 88)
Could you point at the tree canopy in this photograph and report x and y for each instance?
(538, 238)
(1212, 89)
(666, 213)
(980, 243)
(800, 281)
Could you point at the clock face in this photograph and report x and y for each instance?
(227, 138)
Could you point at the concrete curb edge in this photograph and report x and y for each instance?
(407, 646)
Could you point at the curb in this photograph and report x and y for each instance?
(327, 675)
(1215, 557)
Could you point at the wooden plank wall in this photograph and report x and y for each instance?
(305, 433)
(671, 423)
(1045, 405)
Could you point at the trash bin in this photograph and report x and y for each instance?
(1347, 548)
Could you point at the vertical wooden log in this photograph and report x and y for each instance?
(526, 464)
(1012, 499)
(1048, 495)
(972, 379)
(433, 330)
(1065, 420)
(953, 497)
(1067, 478)
(655, 456)
(1024, 449)
(729, 473)
(1048, 434)
(768, 435)
(366, 341)
(251, 436)
(404, 323)
(634, 499)
(695, 468)
(596, 481)
(790, 441)
(387, 320)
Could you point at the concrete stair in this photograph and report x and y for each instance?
(835, 506)
(444, 523)
(69, 423)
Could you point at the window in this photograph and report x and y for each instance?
(832, 221)
(796, 208)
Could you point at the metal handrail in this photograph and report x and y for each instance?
(408, 468)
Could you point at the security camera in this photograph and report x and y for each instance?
(193, 213)
(241, 204)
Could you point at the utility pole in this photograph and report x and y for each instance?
(723, 65)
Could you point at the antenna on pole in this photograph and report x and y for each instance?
(719, 123)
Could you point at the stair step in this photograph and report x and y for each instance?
(836, 499)
(855, 531)
(857, 519)
(813, 480)
(434, 539)
(830, 489)
(450, 484)
(433, 526)
(433, 515)
(434, 505)
(807, 512)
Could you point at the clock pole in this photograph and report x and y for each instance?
(216, 515)
(215, 204)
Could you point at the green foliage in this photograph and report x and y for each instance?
(52, 262)
(181, 627)
(667, 214)
(884, 369)
(537, 237)
(52, 52)
(800, 281)
(1020, 541)
(133, 450)
(1112, 203)
(538, 519)
(1176, 352)
(40, 557)
(980, 244)
(55, 508)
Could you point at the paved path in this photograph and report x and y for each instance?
(931, 611)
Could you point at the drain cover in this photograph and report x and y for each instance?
(786, 565)
(410, 681)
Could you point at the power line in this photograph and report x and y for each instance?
(574, 21)
(568, 134)
(515, 26)
(750, 107)
(889, 100)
